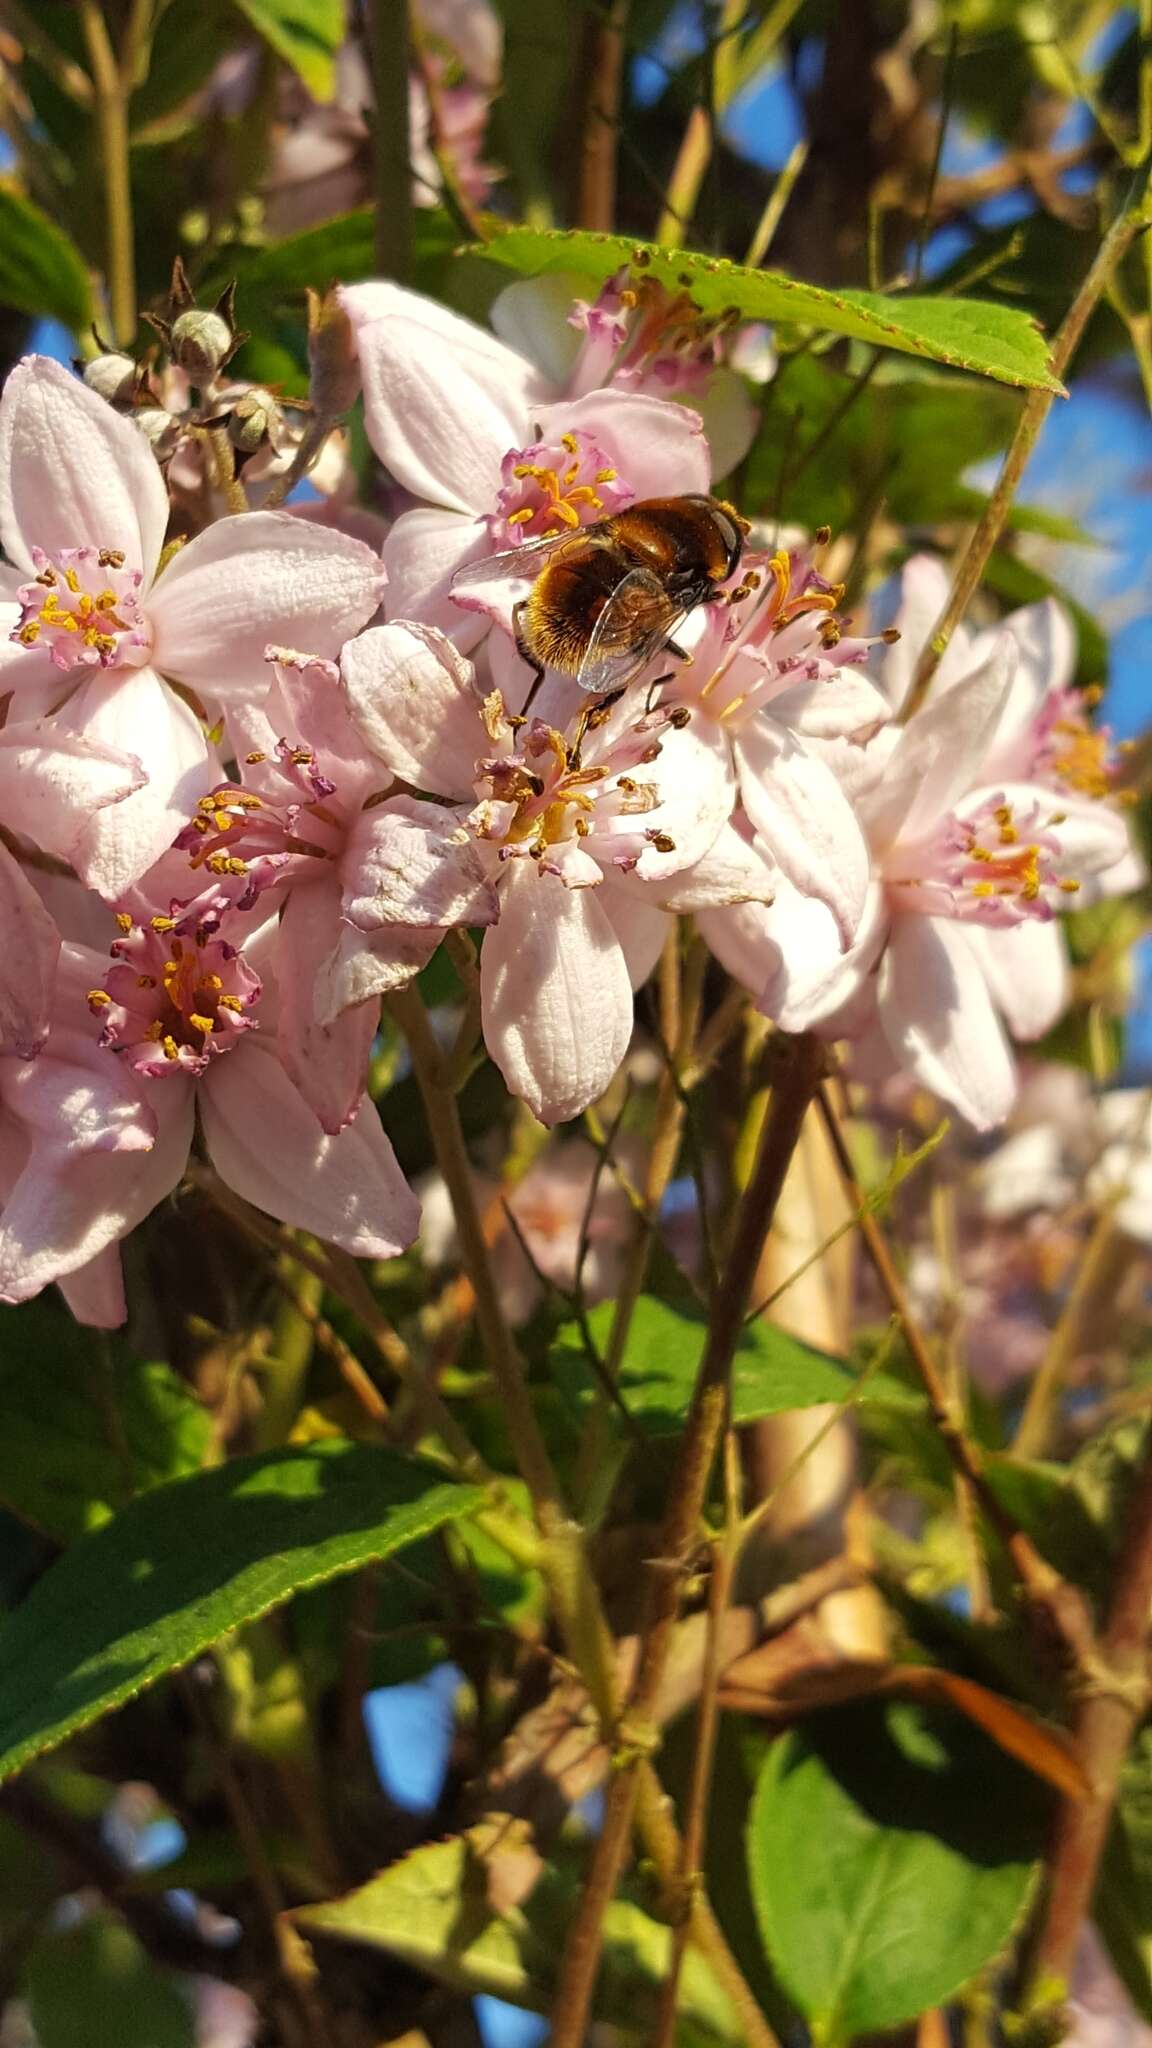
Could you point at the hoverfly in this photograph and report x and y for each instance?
(606, 598)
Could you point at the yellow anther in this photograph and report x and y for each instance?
(983, 889)
(605, 476)
(229, 1003)
(252, 759)
(124, 920)
(145, 981)
(201, 1024)
(98, 999)
(162, 924)
(72, 580)
(30, 633)
(569, 442)
(171, 1049)
(1069, 887)
(521, 517)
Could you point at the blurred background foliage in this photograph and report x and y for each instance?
(163, 1825)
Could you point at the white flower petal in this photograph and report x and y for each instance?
(556, 994)
(939, 1019)
(253, 579)
(29, 952)
(443, 403)
(531, 316)
(327, 1061)
(423, 550)
(412, 697)
(408, 862)
(73, 473)
(806, 822)
(1026, 968)
(268, 1145)
(372, 964)
(132, 710)
(656, 447)
(940, 753)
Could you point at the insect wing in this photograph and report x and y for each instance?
(636, 622)
(525, 561)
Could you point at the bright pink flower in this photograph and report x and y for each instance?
(472, 428)
(95, 631)
(560, 849)
(955, 863)
(305, 820)
(193, 1016)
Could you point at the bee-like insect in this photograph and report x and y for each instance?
(606, 598)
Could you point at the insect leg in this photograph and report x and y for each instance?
(526, 654)
(593, 714)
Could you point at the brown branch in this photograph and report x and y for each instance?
(1114, 1703)
(800, 1070)
(596, 174)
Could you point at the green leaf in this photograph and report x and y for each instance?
(94, 1982)
(41, 270)
(103, 1425)
(342, 249)
(970, 334)
(434, 1910)
(181, 1566)
(891, 1855)
(772, 1372)
(306, 33)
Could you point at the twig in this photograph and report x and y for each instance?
(800, 1071)
(778, 199)
(690, 1871)
(1119, 239)
(1031, 1439)
(1113, 1705)
(563, 1560)
(60, 68)
(389, 54)
(111, 100)
(661, 1839)
(941, 131)
(596, 175)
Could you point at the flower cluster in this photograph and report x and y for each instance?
(254, 768)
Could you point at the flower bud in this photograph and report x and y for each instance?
(160, 429)
(111, 376)
(332, 357)
(255, 418)
(200, 344)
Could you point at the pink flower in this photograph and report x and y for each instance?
(82, 1158)
(96, 633)
(773, 679)
(957, 863)
(192, 1015)
(472, 428)
(636, 335)
(304, 820)
(560, 848)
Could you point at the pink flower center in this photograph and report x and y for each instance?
(556, 487)
(255, 834)
(639, 334)
(782, 620)
(176, 996)
(84, 607)
(544, 807)
(1069, 751)
(990, 866)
